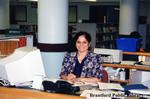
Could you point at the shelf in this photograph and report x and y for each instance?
(106, 35)
(137, 53)
(127, 66)
(141, 67)
(119, 81)
(107, 41)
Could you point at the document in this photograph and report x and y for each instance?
(141, 91)
(86, 85)
(109, 86)
(128, 62)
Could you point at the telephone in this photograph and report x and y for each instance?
(60, 86)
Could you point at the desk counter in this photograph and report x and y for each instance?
(138, 53)
(14, 93)
(127, 66)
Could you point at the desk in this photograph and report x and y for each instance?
(137, 53)
(126, 66)
(130, 66)
(14, 93)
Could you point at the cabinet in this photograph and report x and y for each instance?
(8, 44)
(7, 47)
(107, 18)
(106, 35)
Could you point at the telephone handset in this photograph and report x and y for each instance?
(60, 86)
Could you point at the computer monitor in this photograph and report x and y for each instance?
(22, 65)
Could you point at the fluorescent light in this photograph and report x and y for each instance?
(32, 0)
(91, 0)
(84, 0)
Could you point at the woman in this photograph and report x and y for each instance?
(82, 65)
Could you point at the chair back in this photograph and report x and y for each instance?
(104, 76)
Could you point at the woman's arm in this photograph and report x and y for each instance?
(70, 77)
(90, 79)
(66, 67)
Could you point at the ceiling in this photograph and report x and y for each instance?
(84, 0)
(101, 0)
(96, 1)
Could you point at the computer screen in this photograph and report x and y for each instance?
(22, 65)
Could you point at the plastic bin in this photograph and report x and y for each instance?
(128, 44)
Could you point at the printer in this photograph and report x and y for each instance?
(110, 55)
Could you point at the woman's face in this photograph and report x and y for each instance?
(82, 44)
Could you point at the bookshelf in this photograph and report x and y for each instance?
(107, 19)
(103, 35)
(106, 35)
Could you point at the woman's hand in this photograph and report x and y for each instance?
(70, 77)
(90, 80)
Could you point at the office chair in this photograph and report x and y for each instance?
(105, 76)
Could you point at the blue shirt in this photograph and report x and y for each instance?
(78, 67)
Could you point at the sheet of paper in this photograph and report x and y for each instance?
(139, 91)
(128, 62)
(86, 85)
(108, 86)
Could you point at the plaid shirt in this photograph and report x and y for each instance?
(92, 65)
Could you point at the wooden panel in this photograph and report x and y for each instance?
(13, 93)
(137, 53)
(126, 66)
(8, 46)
